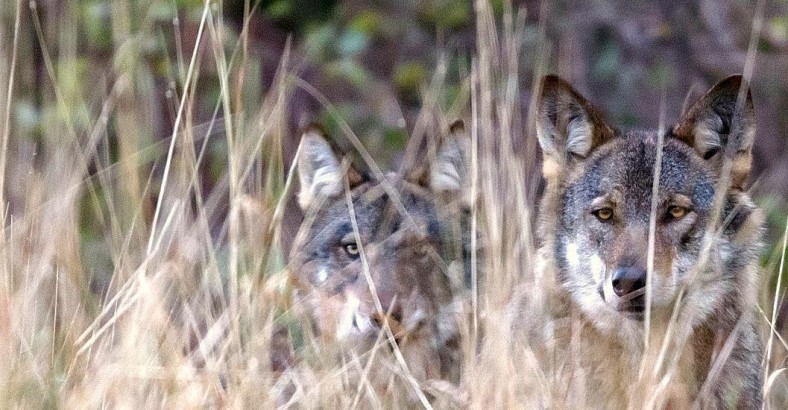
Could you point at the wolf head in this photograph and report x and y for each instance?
(596, 213)
(382, 250)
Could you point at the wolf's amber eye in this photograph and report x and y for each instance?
(352, 250)
(677, 212)
(604, 214)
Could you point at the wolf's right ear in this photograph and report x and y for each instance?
(449, 171)
(319, 169)
(567, 126)
(722, 122)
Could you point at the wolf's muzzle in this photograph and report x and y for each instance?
(629, 284)
(627, 280)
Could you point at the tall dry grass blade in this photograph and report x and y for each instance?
(473, 340)
(652, 224)
(775, 305)
(7, 116)
(176, 127)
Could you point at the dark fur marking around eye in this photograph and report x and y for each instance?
(685, 239)
(343, 230)
(711, 153)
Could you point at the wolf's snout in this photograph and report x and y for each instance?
(387, 295)
(628, 279)
(393, 320)
(392, 311)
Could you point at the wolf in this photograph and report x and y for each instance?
(652, 287)
(382, 257)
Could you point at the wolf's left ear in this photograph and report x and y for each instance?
(722, 122)
(567, 126)
(319, 170)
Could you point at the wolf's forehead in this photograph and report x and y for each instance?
(396, 190)
(376, 201)
(375, 211)
(628, 165)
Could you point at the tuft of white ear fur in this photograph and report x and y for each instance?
(579, 136)
(573, 135)
(449, 170)
(567, 126)
(722, 122)
(707, 136)
(319, 170)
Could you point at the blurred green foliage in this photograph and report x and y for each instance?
(447, 14)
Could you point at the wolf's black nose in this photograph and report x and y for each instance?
(628, 279)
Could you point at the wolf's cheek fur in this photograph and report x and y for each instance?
(587, 293)
(585, 278)
(590, 268)
(591, 264)
(313, 273)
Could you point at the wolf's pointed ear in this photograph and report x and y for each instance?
(319, 169)
(447, 169)
(567, 126)
(722, 122)
(450, 167)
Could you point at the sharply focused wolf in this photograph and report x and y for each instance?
(387, 249)
(655, 284)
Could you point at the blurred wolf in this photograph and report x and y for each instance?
(384, 250)
(676, 330)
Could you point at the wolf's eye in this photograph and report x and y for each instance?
(352, 250)
(677, 212)
(604, 214)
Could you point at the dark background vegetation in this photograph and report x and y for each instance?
(373, 61)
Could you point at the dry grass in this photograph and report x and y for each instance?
(125, 285)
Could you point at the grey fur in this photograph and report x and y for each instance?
(603, 336)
